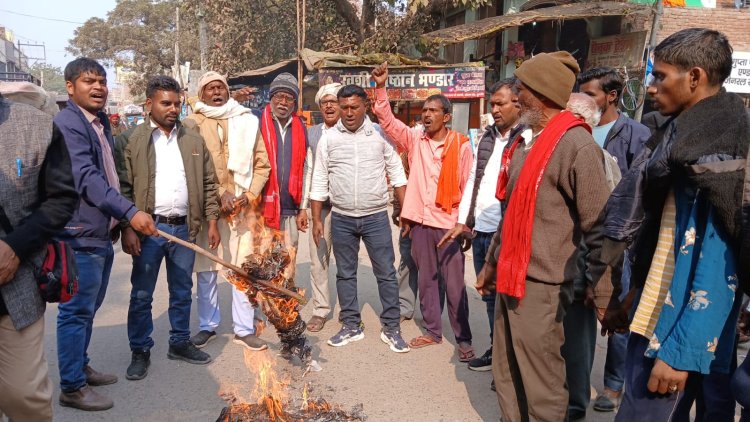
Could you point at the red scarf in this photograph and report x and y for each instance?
(271, 198)
(518, 221)
(449, 182)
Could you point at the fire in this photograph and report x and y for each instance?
(270, 390)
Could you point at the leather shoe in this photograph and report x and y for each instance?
(96, 378)
(86, 398)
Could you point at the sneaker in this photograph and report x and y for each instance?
(202, 338)
(186, 351)
(392, 337)
(139, 364)
(345, 336)
(482, 363)
(607, 401)
(250, 341)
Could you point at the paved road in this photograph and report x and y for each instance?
(423, 385)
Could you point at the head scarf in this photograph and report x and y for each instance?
(209, 77)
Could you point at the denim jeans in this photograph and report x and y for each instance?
(374, 230)
(614, 365)
(479, 247)
(407, 277)
(578, 351)
(75, 318)
(143, 280)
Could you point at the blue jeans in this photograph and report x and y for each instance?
(578, 350)
(375, 231)
(479, 247)
(75, 319)
(614, 366)
(143, 280)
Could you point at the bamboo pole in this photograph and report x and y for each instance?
(233, 267)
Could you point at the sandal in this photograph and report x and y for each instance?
(316, 324)
(465, 352)
(423, 341)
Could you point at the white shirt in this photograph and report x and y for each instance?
(282, 128)
(171, 185)
(487, 213)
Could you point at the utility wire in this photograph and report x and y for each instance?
(40, 17)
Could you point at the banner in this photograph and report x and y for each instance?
(618, 51)
(739, 80)
(411, 84)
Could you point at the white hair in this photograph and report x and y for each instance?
(584, 107)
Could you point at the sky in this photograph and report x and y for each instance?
(45, 27)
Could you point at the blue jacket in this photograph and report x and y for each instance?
(625, 141)
(99, 202)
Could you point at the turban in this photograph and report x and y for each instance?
(329, 89)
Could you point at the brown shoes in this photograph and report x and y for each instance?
(86, 399)
(96, 378)
(316, 324)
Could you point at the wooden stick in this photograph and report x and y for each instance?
(233, 267)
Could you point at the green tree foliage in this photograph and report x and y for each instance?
(138, 35)
(52, 77)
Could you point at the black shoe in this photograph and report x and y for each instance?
(202, 338)
(482, 363)
(492, 386)
(186, 351)
(139, 364)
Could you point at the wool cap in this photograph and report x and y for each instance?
(209, 77)
(550, 74)
(285, 82)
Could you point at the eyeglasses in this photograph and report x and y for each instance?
(283, 98)
(328, 103)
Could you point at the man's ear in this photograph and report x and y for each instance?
(447, 117)
(69, 87)
(694, 76)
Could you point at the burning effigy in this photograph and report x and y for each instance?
(281, 309)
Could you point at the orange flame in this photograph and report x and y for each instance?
(270, 390)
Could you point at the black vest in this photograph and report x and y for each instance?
(484, 152)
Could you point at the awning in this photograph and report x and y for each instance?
(486, 27)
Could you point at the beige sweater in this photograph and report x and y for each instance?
(570, 205)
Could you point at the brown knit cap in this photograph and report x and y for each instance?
(550, 74)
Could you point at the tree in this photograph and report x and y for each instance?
(138, 35)
(52, 77)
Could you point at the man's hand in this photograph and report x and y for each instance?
(664, 379)
(743, 324)
(114, 234)
(302, 221)
(317, 231)
(144, 223)
(131, 244)
(451, 235)
(9, 263)
(227, 203)
(380, 75)
(240, 202)
(481, 282)
(244, 94)
(404, 226)
(396, 219)
(214, 238)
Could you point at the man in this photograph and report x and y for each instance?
(554, 189)
(688, 267)
(232, 136)
(92, 229)
(623, 138)
(320, 252)
(170, 174)
(285, 137)
(440, 161)
(580, 318)
(480, 210)
(118, 127)
(37, 197)
(351, 165)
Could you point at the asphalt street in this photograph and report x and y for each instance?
(423, 385)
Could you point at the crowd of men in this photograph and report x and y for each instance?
(576, 215)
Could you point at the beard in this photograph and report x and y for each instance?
(531, 115)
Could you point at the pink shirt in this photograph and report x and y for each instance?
(425, 163)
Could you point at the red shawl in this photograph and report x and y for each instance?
(518, 221)
(271, 198)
